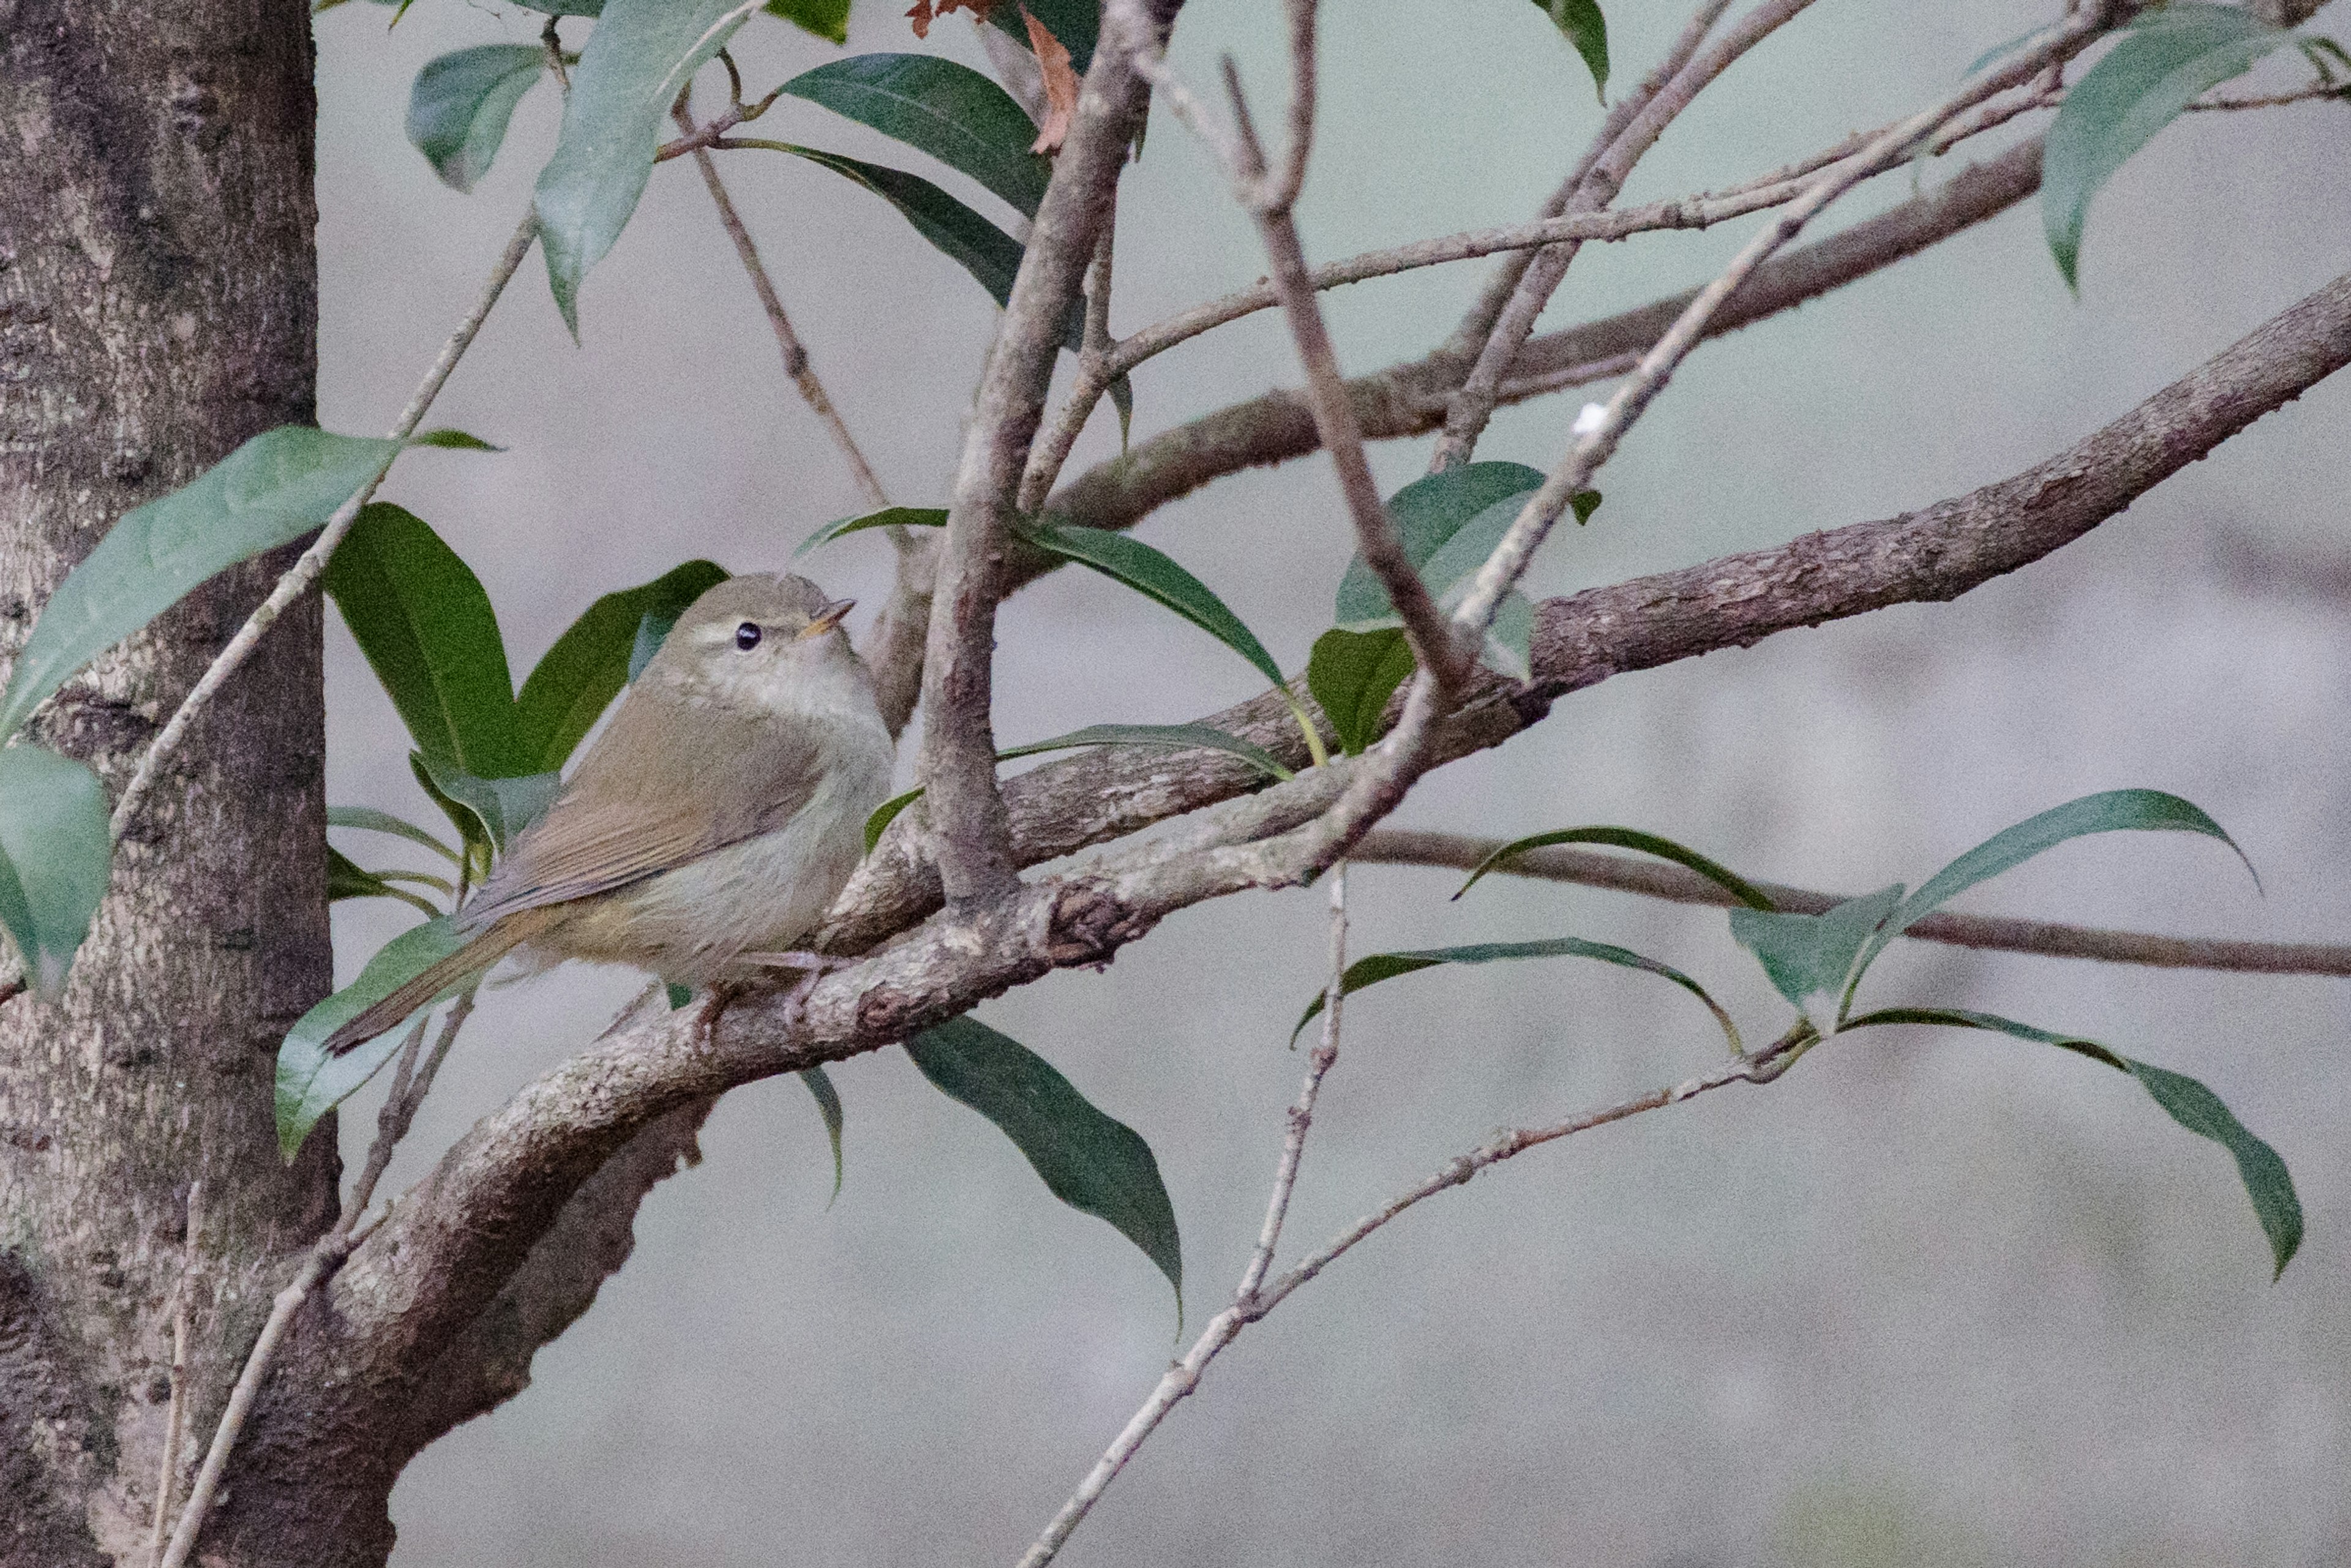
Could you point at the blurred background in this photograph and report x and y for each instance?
(1931, 1299)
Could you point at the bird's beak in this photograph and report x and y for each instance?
(828, 618)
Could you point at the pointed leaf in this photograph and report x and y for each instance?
(1378, 966)
(459, 106)
(1426, 513)
(828, 1105)
(1122, 398)
(505, 807)
(970, 241)
(1167, 736)
(269, 492)
(1817, 957)
(573, 684)
(367, 818)
(346, 878)
(1152, 573)
(641, 55)
(886, 814)
(2184, 1100)
(2116, 811)
(1090, 1161)
(472, 837)
(1077, 24)
(887, 517)
(1633, 839)
(310, 1082)
(1352, 675)
(828, 19)
(55, 858)
(420, 615)
(1587, 30)
(936, 105)
(2157, 70)
(451, 441)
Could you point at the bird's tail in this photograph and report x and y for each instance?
(475, 957)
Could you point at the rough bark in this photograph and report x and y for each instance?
(158, 305)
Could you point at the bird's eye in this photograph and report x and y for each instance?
(747, 635)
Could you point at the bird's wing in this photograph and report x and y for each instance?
(637, 807)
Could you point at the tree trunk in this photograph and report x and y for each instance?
(158, 305)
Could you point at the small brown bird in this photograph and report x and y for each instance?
(713, 822)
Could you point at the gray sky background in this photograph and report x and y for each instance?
(1927, 1299)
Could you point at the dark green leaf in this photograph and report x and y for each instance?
(2183, 1099)
(557, 7)
(1353, 674)
(1166, 736)
(504, 807)
(828, 19)
(453, 441)
(459, 106)
(886, 814)
(1153, 574)
(1633, 839)
(1812, 956)
(578, 678)
(420, 615)
(970, 241)
(269, 492)
(1074, 24)
(641, 55)
(1091, 1163)
(1448, 524)
(936, 105)
(2116, 811)
(887, 517)
(677, 995)
(1378, 966)
(54, 857)
(368, 820)
(346, 878)
(2154, 72)
(310, 1082)
(1587, 30)
(471, 835)
(828, 1105)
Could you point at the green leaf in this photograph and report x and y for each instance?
(269, 492)
(474, 839)
(1075, 24)
(1378, 966)
(887, 517)
(641, 55)
(1448, 524)
(970, 241)
(1633, 839)
(886, 814)
(420, 615)
(1153, 574)
(936, 105)
(1166, 736)
(1814, 957)
(2183, 1099)
(54, 857)
(459, 106)
(1353, 674)
(2116, 811)
(1122, 398)
(346, 878)
(570, 687)
(504, 807)
(2154, 72)
(828, 1105)
(557, 7)
(677, 995)
(310, 1082)
(1587, 30)
(367, 818)
(828, 19)
(1091, 1163)
(2001, 51)
(451, 441)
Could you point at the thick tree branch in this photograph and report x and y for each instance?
(1410, 399)
(974, 841)
(1995, 933)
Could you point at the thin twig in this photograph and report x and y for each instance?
(1995, 933)
(2314, 91)
(1182, 1378)
(713, 134)
(305, 571)
(552, 41)
(410, 1084)
(175, 1414)
(796, 360)
(1319, 1062)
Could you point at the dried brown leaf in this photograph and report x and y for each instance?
(1060, 84)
